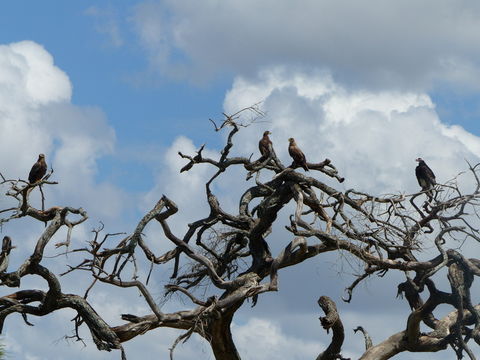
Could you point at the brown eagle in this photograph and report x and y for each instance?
(38, 171)
(264, 145)
(6, 248)
(297, 154)
(425, 175)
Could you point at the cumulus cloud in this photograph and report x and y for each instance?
(28, 75)
(260, 339)
(38, 117)
(403, 44)
(373, 137)
(186, 189)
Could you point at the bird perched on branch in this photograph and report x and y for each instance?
(6, 247)
(297, 154)
(264, 145)
(38, 171)
(425, 175)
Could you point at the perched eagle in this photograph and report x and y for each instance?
(264, 145)
(425, 175)
(38, 171)
(297, 154)
(6, 247)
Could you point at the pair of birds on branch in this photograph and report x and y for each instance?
(265, 144)
(425, 175)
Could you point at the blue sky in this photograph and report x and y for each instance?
(132, 82)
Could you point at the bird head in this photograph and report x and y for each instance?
(419, 159)
(291, 141)
(41, 156)
(266, 133)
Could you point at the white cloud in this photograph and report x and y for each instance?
(373, 137)
(28, 75)
(37, 117)
(260, 339)
(186, 189)
(403, 44)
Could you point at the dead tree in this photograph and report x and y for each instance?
(230, 252)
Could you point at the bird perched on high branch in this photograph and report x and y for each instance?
(6, 247)
(264, 145)
(425, 175)
(297, 154)
(38, 171)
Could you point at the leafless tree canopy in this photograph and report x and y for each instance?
(230, 252)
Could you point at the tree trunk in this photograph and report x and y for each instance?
(220, 337)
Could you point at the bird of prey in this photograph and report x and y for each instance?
(425, 175)
(6, 247)
(297, 154)
(38, 171)
(264, 145)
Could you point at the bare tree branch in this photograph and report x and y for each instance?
(230, 260)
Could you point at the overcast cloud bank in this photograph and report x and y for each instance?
(379, 44)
